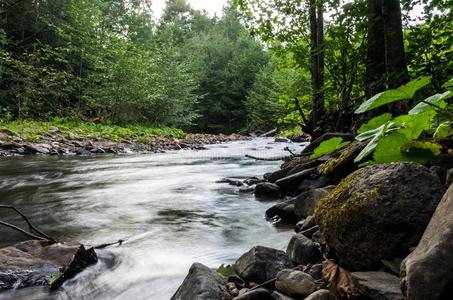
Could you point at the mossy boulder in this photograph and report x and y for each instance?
(378, 212)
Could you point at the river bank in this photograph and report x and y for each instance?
(360, 232)
(49, 138)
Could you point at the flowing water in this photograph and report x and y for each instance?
(167, 206)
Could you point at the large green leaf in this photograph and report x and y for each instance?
(375, 122)
(445, 129)
(404, 92)
(369, 148)
(412, 126)
(396, 147)
(448, 85)
(431, 102)
(328, 147)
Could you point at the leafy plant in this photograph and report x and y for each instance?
(329, 146)
(410, 137)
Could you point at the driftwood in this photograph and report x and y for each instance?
(39, 234)
(102, 246)
(268, 159)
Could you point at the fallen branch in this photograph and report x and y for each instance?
(102, 246)
(267, 159)
(291, 152)
(22, 231)
(42, 235)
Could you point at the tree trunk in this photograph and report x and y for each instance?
(317, 63)
(395, 61)
(375, 67)
(386, 64)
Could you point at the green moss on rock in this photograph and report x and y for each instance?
(378, 212)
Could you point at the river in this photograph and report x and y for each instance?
(168, 207)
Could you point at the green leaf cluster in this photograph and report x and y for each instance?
(410, 137)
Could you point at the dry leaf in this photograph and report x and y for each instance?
(339, 280)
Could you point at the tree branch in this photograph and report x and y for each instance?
(30, 225)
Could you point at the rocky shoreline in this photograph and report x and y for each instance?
(12, 144)
(376, 232)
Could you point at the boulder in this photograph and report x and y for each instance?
(267, 191)
(316, 183)
(285, 210)
(280, 296)
(42, 263)
(378, 212)
(295, 283)
(378, 285)
(343, 163)
(255, 294)
(302, 251)
(202, 283)
(310, 231)
(306, 165)
(321, 295)
(427, 273)
(306, 202)
(261, 264)
(274, 176)
(53, 129)
(291, 183)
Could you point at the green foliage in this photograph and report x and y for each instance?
(405, 138)
(329, 146)
(404, 92)
(375, 123)
(226, 270)
(34, 131)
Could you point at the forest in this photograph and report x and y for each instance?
(272, 150)
(289, 65)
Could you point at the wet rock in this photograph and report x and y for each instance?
(427, 273)
(378, 285)
(316, 272)
(285, 210)
(247, 189)
(317, 237)
(256, 294)
(302, 251)
(291, 182)
(279, 174)
(310, 231)
(42, 263)
(83, 151)
(295, 283)
(378, 212)
(321, 295)
(282, 140)
(343, 163)
(306, 202)
(306, 165)
(295, 161)
(316, 183)
(253, 180)
(280, 296)
(309, 222)
(202, 283)
(35, 149)
(261, 264)
(230, 181)
(267, 191)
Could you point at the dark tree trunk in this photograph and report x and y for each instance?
(395, 61)
(317, 64)
(386, 64)
(375, 68)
